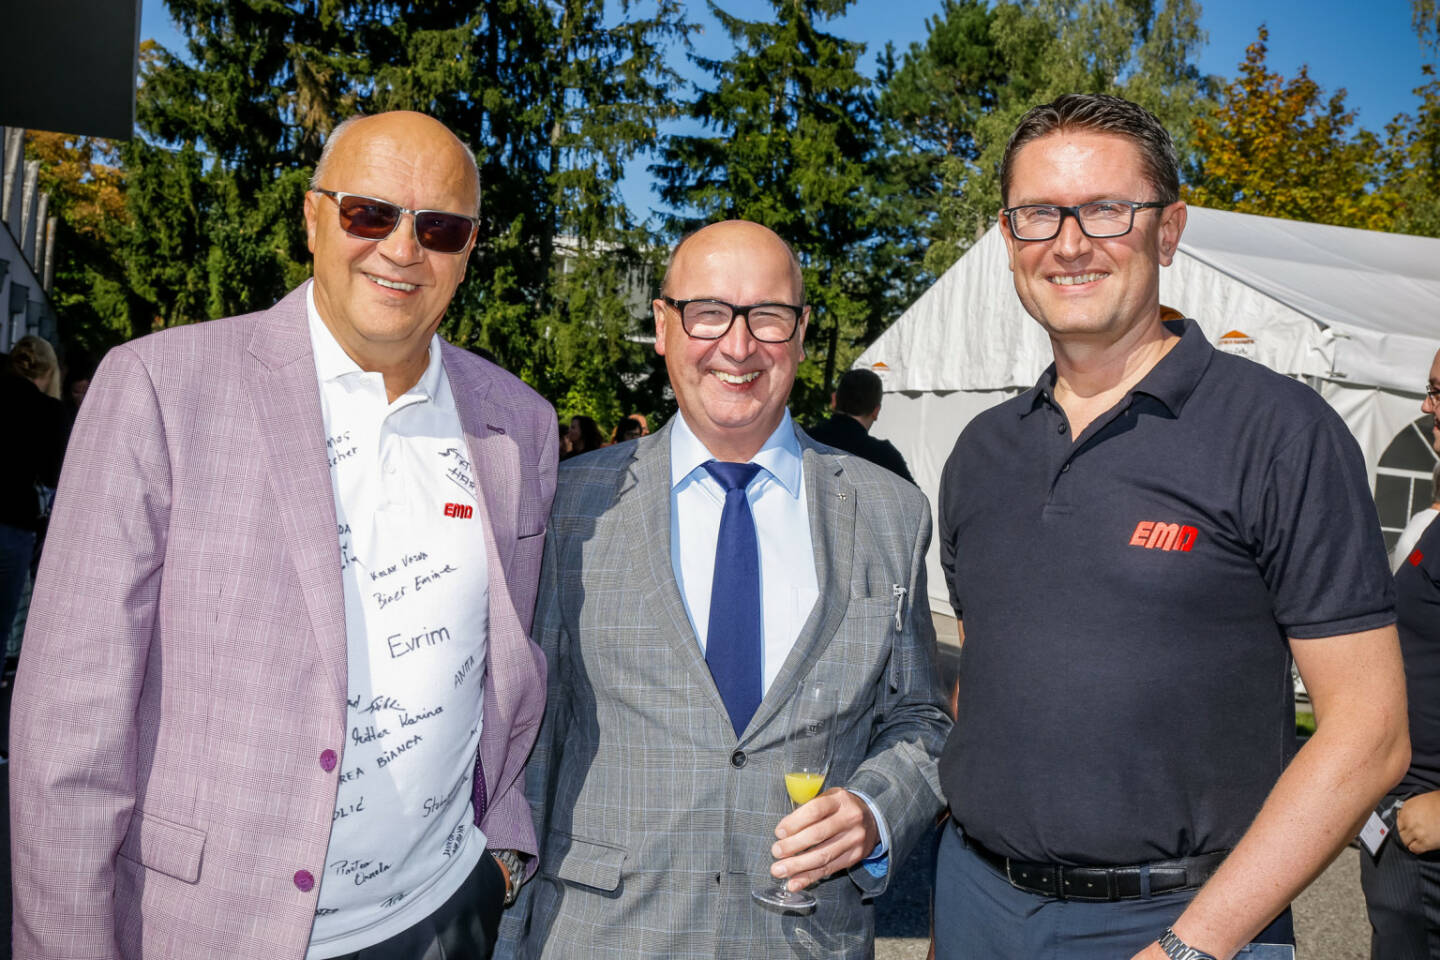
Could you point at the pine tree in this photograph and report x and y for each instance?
(791, 142)
(1029, 53)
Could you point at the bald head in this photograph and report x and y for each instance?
(731, 388)
(753, 239)
(388, 130)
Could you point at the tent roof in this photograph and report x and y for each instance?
(1354, 305)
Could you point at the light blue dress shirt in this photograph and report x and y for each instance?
(789, 585)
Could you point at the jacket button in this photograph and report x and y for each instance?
(304, 880)
(737, 759)
(327, 760)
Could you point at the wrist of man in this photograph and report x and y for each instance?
(512, 868)
(1177, 949)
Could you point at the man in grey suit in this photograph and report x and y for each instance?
(674, 649)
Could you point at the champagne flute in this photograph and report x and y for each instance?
(808, 745)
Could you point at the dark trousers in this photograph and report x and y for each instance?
(1402, 896)
(980, 916)
(464, 928)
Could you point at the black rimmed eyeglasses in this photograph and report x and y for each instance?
(370, 218)
(1432, 393)
(711, 319)
(1098, 219)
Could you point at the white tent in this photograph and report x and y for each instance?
(1355, 313)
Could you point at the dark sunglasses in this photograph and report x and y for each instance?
(370, 218)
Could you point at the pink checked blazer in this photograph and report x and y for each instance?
(185, 663)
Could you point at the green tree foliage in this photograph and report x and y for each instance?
(1413, 140)
(554, 97)
(86, 184)
(983, 66)
(930, 107)
(790, 142)
(1280, 148)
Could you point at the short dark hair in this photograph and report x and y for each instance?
(1099, 113)
(858, 393)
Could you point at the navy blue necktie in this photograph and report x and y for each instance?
(732, 639)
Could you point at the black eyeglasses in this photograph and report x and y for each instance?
(1432, 394)
(370, 218)
(1098, 219)
(711, 319)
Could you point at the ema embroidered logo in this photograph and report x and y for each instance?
(1156, 535)
(460, 511)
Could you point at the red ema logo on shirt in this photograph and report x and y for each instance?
(1415, 558)
(1158, 535)
(459, 511)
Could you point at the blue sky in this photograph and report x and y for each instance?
(1368, 48)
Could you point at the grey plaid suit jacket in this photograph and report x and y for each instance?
(185, 662)
(655, 821)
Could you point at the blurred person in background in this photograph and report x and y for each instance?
(32, 436)
(79, 368)
(1401, 875)
(1430, 404)
(629, 428)
(856, 402)
(584, 436)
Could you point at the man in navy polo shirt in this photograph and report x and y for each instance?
(1136, 548)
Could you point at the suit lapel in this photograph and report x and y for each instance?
(286, 398)
(494, 458)
(648, 487)
(830, 499)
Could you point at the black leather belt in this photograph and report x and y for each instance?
(1100, 883)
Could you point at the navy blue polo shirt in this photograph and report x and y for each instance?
(1417, 608)
(1124, 686)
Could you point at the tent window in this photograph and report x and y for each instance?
(1403, 478)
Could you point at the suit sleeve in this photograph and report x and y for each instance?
(73, 728)
(900, 773)
(507, 822)
(550, 634)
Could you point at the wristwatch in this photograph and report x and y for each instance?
(1177, 949)
(516, 869)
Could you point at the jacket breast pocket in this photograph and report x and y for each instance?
(171, 848)
(863, 608)
(583, 862)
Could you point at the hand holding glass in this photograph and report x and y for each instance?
(807, 762)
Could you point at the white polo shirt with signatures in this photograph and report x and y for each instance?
(413, 563)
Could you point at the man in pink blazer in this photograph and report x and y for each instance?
(283, 615)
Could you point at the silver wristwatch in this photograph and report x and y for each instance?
(511, 859)
(1177, 949)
